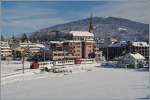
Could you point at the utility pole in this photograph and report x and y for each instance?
(107, 52)
(22, 62)
(44, 54)
(64, 52)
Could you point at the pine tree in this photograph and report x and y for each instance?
(24, 38)
(2, 38)
(13, 38)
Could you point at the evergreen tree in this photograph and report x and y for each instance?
(13, 38)
(24, 38)
(2, 38)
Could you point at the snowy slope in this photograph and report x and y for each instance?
(100, 83)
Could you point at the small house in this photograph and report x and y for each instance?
(133, 60)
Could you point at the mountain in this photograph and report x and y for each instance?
(119, 28)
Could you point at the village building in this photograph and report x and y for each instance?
(114, 50)
(81, 46)
(56, 50)
(140, 47)
(33, 47)
(26, 48)
(121, 48)
(5, 50)
(132, 60)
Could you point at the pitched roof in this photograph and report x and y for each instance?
(137, 56)
(140, 44)
(81, 33)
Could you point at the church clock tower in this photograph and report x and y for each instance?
(91, 24)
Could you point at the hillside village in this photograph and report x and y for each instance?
(81, 46)
(53, 50)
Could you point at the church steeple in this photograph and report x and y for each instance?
(91, 24)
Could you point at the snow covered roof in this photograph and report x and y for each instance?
(57, 42)
(120, 44)
(40, 45)
(137, 56)
(122, 29)
(81, 33)
(29, 44)
(72, 41)
(140, 44)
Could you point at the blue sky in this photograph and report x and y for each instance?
(29, 16)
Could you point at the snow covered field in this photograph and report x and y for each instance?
(96, 83)
(12, 67)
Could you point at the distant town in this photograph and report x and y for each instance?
(75, 50)
(78, 47)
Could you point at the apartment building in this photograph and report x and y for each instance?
(33, 47)
(68, 49)
(74, 48)
(114, 50)
(26, 48)
(123, 47)
(57, 52)
(140, 47)
(82, 45)
(5, 50)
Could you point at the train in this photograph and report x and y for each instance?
(58, 64)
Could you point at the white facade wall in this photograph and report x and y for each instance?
(5, 49)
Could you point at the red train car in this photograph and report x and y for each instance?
(34, 65)
(77, 61)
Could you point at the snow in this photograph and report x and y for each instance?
(87, 81)
(122, 29)
(140, 44)
(137, 56)
(13, 67)
(81, 33)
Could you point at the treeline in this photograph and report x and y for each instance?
(50, 36)
(22, 38)
(40, 37)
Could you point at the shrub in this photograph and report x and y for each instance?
(140, 65)
(131, 66)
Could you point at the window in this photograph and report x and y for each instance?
(78, 50)
(77, 54)
(78, 46)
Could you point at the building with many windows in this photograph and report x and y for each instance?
(121, 48)
(33, 47)
(132, 60)
(81, 46)
(28, 48)
(140, 47)
(5, 50)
